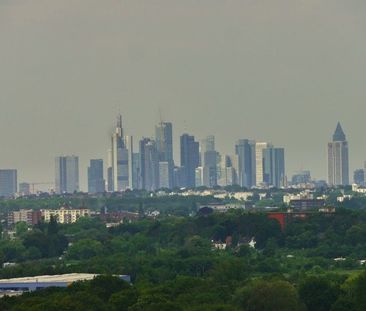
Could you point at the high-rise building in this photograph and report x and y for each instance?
(8, 183)
(209, 162)
(110, 186)
(164, 146)
(259, 147)
(149, 165)
(359, 177)
(338, 165)
(302, 177)
(274, 167)
(227, 172)
(120, 158)
(24, 188)
(67, 174)
(189, 159)
(136, 175)
(96, 182)
(245, 150)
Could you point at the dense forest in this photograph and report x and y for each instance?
(314, 264)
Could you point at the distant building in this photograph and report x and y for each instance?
(29, 284)
(274, 166)
(28, 216)
(121, 158)
(189, 159)
(245, 151)
(164, 147)
(259, 147)
(149, 165)
(305, 204)
(8, 183)
(338, 165)
(65, 215)
(96, 182)
(209, 162)
(24, 188)
(302, 177)
(67, 174)
(359, 177)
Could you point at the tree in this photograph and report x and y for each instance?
(263, 295)
(21, 228)
(318, 293)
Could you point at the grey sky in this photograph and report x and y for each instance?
(283, 71)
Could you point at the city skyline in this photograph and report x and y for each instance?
(283, 72)
(207, 142)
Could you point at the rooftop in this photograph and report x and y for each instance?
(68, 278)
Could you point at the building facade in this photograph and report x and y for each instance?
(67, 174)
(96, 182)
(338, 163)
(8, 183)
(189, 160)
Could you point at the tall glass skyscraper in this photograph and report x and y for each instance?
(245, 150)
(189, 160)
(121, 156)
(96, 182)
(8, 183)
(67, 174)
(274, 167)
(164, 146)
(149, 165)
(338, 165)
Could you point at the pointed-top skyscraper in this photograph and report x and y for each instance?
(338, 165)
(339, 134)
(121, 158)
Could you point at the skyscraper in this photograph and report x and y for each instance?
(164, 146)
(209, 162)
(259, 147)
(245, 150)
(189, 160)
(149, 165)
(96, 182)
(8, 183)
(338, 165)
(67, 174)
(120, 158)
(274, 167)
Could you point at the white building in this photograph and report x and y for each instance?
(64, 215)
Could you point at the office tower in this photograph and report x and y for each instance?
(164, 179)
(24, 188)
(189, 160)
(359, 177)
(274, 167)
(209, 162)
(136, 176)
(259, 147)
(227, 172)
(129, 145)
(338, 166)
(164, 146)
(121, 156)
(67, 174)
(149, 165)
(96, 182)
(199, 176)
(302, 177)
(245, 150)
(110, 186)
(8, 183)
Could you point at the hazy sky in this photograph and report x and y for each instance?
(283, 71)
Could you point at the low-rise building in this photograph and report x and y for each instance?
(65, 215)
(30, 217)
